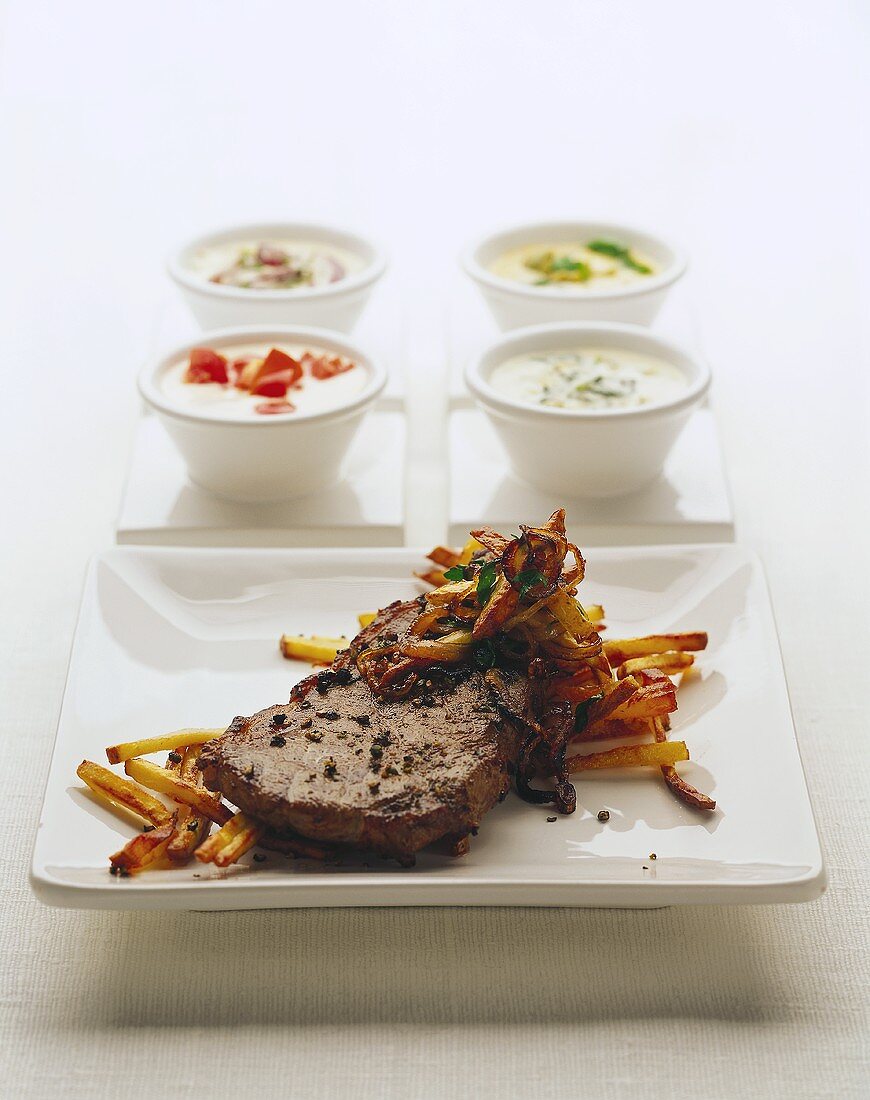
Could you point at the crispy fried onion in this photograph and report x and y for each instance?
(509, 605)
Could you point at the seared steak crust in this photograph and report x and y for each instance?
(339, 766)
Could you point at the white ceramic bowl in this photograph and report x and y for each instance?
(578, 452)
(515, 304)
(270, 458)
(336, 306)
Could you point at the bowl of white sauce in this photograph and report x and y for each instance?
(263, 414)
(542, 273)
(277, 272)
(587, 410)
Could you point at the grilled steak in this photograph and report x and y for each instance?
(338, 765)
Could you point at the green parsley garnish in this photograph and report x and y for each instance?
(621, 253)
(558, 269)
(484, 653)
(581, 714)
(486, 580)
(617, 387)
(527, 579)
(455, 573)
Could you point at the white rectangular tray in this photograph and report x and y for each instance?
(177, 637)
(688, 503)
(161, 506)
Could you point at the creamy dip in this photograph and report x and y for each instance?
(274, 264)
(573, 266)
(588, 378)
(326, 381)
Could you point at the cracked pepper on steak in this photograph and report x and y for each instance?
(339, 766)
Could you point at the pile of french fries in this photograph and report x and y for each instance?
(170, 837)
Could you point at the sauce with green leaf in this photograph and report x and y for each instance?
(588, 378)
(572, 265)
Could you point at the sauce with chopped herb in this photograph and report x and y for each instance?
(274, 264)
(588, 378)
(573, 266)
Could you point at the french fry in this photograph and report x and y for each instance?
(317, 649)
(143, 851)
(670, 663)
(631, 756)
(229, 843)
(167, 742)
(683, 790)
(614, 696)
(444, 556)
(618, 650)
(434, 577)
(366, 619)
(118, 793)
(614, 729)
(191, 828)
(160, 779)
(651, 699)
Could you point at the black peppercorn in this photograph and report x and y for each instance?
(175, 757)
(325, 680)
(330, 768)
(278, 742)
(343, 676)
(604, 815)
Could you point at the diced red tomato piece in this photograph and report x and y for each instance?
(325, 366)
(206, 365)
(271, 408)
(277, 361)
(286, 379)
(271, 386)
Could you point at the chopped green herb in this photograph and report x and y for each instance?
(455, 573)
(602, 387)
(485, 654)
(528, 579)
(581, 714)
(565, 263)
(558, 269)
(621, 253)
(486, 580)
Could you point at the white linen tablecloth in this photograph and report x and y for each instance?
(736, 128)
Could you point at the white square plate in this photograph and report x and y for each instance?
(172, 637)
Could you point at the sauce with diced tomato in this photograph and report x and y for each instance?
(245, 381)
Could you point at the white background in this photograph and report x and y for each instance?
(740, 128)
